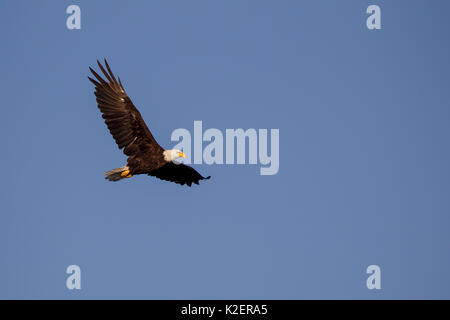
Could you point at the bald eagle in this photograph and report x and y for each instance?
(125, 123)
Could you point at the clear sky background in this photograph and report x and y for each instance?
(364, 150)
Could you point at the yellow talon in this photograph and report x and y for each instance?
(126, 174)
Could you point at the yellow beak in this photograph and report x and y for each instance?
(182, 155)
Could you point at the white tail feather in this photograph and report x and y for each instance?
(116, 174)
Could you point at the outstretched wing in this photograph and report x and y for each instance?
(123, 120)
(178, 173)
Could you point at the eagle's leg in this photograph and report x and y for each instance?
(126, 174)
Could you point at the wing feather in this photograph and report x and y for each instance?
(178, 173)
(122, 118)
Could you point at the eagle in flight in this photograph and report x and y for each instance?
(125, 123)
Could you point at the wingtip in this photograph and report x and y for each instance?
(93, 81)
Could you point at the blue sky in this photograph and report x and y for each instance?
(364, 160)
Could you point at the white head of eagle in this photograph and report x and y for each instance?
(170, 155)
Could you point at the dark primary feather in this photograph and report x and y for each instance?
(123, 120)
(178, 173)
